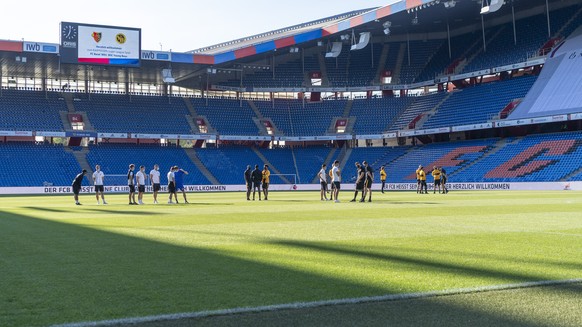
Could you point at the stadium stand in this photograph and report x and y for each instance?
(31, 110)
(227, 164)
(292, 119)
(29, 164)
(374, 115)
(418, 106)
(228, 117)
(480, 103)
(536, 158)
(135, 114)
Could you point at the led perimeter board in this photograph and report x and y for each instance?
(100, 45)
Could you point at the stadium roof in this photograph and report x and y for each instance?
(433, 17)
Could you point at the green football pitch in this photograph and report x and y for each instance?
(61, 263)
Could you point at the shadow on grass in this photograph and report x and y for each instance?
(56, 273)
(46, 209)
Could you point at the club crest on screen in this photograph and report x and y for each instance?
(96, 36)
(120, 38)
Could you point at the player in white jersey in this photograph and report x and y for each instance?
(98, 179)
(172, 186)
(155, 181)
(336, 179)
(140, 178)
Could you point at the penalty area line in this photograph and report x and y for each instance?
(316, 304)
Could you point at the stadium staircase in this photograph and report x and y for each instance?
(259, 118)
(81, 157)
(573, 174)
(191, 153)
(480, 50)
(567, 25)
(418, 124)
(273, 168)
(345, 115)
(64, 115)
(382, 63)
(344, 156)
(323, 69)
(191, 118)
(399, 63)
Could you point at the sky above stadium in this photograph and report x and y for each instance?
(179, 25)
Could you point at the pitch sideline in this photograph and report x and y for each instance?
(315, 304)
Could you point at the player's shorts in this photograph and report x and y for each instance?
(76, 190)
(443, 180)
(323, 186)
(360, 186)
(265, 186)
(171, 188)
(257, 185)
(249, 186)
(368, 183)
(131, 188)
(99, 188)
(336, 185)
(332, 186)
(423, 183)
(437, 182)
(418, 182)
(141, 188)
(157, 187)
(180, 188)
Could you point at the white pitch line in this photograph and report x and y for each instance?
(316, 304)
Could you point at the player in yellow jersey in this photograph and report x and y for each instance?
(266, 174)
(382, 177)
(418, 184)
(422, 178)
(436, 174)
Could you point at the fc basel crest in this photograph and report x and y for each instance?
(96, 36)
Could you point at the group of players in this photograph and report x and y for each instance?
(136, 181)
(439, 174)
(256, 179)
(364, 179)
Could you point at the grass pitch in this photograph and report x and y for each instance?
(62, 263)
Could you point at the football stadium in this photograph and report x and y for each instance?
(413, 164)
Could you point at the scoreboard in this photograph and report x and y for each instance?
(100, 45)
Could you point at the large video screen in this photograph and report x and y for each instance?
(100, 45)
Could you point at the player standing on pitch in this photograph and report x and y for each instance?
(98, 178)
(179, 179)
(323, 181)
(130, 183)
(337, 178)
(248, 181)
(140, 178)
(155, 181)
(382, 177)
(172, 186)
(77, 185)
(257, 176)
(266, 180)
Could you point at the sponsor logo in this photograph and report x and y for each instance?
(96, 36)
(120, 38)
(68, 44)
